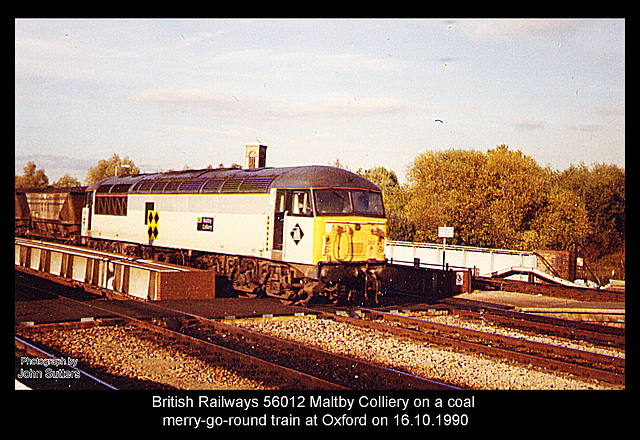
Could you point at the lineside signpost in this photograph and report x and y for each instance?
(444, 232)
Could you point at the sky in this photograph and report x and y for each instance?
(175, 93)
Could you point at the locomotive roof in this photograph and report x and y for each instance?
(231, 180)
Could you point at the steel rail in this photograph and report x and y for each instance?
(367, 374)
(258, 366)
(565, 328)
(589, 327)
(364, 375)
(508, 341)
(507, 347)
(390, 378)
(31, 349)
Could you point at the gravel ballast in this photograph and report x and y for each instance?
(418, 358)
(119, 351)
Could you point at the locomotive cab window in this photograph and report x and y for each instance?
(368, 203)
(294, 202)
(301, 203)
(348, 201)
(333, 201)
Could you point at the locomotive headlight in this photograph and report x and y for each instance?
(327, 245)
(343, 229)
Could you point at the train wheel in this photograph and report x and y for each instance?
(371, 288)
(310, 289)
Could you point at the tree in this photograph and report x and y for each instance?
(399, 227)
(339, 164)
(66, 181)
(515, 190)
(32, 178)
(492, 199)
(445, 189)
(562, 224)
(111, 167)
(601, 189)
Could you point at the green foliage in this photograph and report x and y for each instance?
(111, 167)
(602, 190)
(562, 224)
(499, 199)
(444, 189)
(504, 199)
(395, 198)
(32, 178)
(66, 181)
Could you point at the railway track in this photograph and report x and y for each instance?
(559, 291)
(28, 355)
(598, 334)
(302, 364)
(549, 356)
(279, 362)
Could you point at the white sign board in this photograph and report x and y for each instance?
(445, 232)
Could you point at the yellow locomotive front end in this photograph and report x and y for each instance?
(349, 239)
(350, 232)
(350, 225)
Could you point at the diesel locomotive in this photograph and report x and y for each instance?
(294, 232)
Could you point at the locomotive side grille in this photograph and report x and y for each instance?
(120, 188)
(192, 185)
(159, 186)
(221, 185)
(144, 186)
(256, 184)
(172, 186)
(213, 185)
(232, 184)
(111, 205)
(103, 189)
(136, 186)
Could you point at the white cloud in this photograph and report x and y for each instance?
(547, 28)
(41, 46)
(585, 128)
(335, 105)
(611, 110)
(178, 96)
(301, 59)
(527, 124)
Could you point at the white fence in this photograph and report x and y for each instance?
(483, 260)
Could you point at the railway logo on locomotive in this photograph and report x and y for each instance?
(153, 219)
(297, 234)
